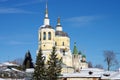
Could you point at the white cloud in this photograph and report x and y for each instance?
(82, 20)
(13, 10)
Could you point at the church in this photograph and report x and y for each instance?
(49, 36)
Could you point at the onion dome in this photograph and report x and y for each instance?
(61, 33)
(58, 27)
(84, 56)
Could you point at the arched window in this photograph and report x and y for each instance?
(63, 43)
(44, 36)
(55, 43)
(40, 36)
(49, 35)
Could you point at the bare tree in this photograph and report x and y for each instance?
(110, 59)
(99, 66)
(90, 64)
(18, 61)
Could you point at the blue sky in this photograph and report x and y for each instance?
(93, 24)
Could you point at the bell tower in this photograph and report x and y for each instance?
(46, 36)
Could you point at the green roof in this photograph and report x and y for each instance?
(75, 51)
(84, 55)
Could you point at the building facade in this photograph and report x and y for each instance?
(49, 37)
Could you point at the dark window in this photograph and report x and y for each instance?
(55, 43)
(40, 36)
(63, 52)
(44, 36)
(63, 43)
(49, 35)
(65, 79)
(106, 74)
(90, 72)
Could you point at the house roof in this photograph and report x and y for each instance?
(92, 69)
(85, 73)
(94, 72)
(30, 70)
(9, 64)
(80, 75)
(111, 75)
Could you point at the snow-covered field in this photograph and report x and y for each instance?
(2, 79)
(11, 79)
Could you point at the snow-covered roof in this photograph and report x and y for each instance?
(42, 26)
(16, 70)
(46, 26)
(88, 72)
(116, 76)
(8, 70)
(94, 72)
(92, 69)
(74, 75)
(30, 70)
(9, 64)
(1, 65)
(10, 79)
(111, 75)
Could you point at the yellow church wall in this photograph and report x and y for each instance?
(46, 44)
(62, 42)
(67, 70)
(59, 40)
(47, 30)
(83, 65)
(67, 60)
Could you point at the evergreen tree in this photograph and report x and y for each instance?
(54, 66)
(39, 73)
(27, 63)
(59, 67)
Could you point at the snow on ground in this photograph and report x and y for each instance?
(11, 79)
(2, 79)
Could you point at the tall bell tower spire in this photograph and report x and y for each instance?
(46, 19)
(46, 11)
